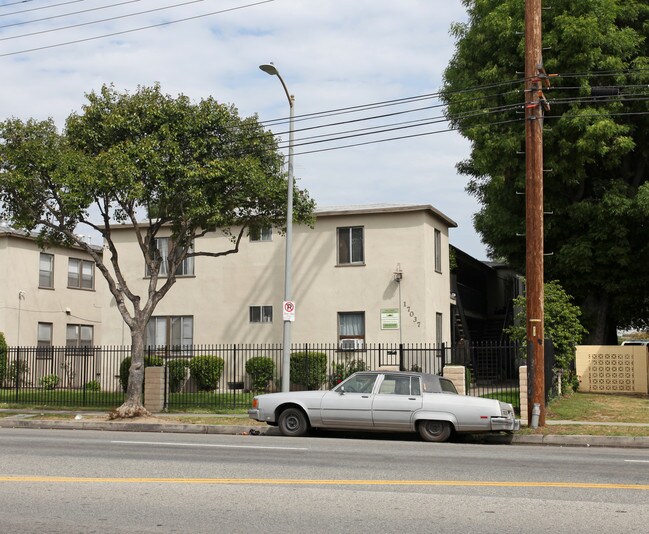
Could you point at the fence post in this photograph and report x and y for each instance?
(401, 358)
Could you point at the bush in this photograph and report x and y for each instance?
(3, 358)
(342, 370)
(93, 385)
(177, 370)
(149, 361)
(49, 381)
(17, 373)
(206, 370)
(309, 369)
(261, 370)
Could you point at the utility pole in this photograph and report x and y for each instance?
(535, 103)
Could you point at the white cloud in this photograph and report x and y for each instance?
(331, 53)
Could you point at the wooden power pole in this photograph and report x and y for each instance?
(535, 78)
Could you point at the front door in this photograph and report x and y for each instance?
(350, 404)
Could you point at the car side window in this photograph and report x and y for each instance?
(358, 384)
(400, 385)
(447, 386)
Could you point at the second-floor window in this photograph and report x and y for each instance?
(438, 251)
(261, 314)
(46, 271)
(261, 233)
(186, 267)
(350, 245)
(81, 274)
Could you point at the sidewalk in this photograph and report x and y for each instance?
(88, 421)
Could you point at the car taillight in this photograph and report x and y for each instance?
(255, 402)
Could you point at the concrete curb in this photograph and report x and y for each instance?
(533, 439)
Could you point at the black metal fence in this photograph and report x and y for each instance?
(225, 377)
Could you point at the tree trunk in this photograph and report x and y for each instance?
(133, 405)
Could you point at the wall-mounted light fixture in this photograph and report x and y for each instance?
(398, 274)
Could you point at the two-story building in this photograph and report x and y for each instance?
(362, 274)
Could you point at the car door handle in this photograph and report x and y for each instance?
(365, 396)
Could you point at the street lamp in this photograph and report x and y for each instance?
(286, 338)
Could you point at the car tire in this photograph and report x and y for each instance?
(436, 431)
(293, 422)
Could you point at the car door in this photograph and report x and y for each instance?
(349, 405)
(397, 398)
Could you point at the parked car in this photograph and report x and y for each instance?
(636, 342)
(386, 401)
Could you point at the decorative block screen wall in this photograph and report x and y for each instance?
(612, 369)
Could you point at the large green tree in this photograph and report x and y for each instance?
(596, 148)
(165, 165)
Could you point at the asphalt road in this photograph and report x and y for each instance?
(85, 481)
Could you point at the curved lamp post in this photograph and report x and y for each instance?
(286, 338)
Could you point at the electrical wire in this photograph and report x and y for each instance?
(35, 8)
(141, 28)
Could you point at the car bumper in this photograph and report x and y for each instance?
(506, 424)
(255, 414)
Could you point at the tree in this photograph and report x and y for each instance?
(596, 147)
(185, 168)
(562, 325)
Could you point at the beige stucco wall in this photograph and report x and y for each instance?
(613, 369)
(220, 293)
(19, 271)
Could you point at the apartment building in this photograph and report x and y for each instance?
(362, 274)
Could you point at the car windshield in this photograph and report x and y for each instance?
(357, 384)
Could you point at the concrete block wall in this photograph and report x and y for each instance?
(154, 388)
(522, 382)
(457, 375)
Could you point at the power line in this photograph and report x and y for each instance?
(52, 17)
(168, 23)
(35, 8)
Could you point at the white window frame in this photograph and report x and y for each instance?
(347, 238)
(261, 234)
(438, 250)
(47, 274)
(186, 267)
(84, 275)
(44, 334)
(170, 331)
(260, 314)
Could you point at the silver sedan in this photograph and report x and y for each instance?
(386, 401)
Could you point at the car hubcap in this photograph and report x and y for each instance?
(292, 423)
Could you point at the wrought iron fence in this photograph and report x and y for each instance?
(225, 377)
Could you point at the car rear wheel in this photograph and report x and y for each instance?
(292, 422)
(435, 430)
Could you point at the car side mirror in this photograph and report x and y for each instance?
(341, 390)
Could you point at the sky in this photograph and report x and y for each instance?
(332, 54)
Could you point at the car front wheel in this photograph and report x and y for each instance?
(435, 430)
(293, 422)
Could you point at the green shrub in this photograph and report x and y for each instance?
(261, 370)
(309, 369)
(49, 381)
(93, 385)
(3, 358)
(342, 370)
(17, 373)
(206, 370)
(177, 370)
(149, 361)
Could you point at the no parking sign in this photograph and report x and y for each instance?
(289, 310)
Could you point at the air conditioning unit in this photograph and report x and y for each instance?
(351, 344)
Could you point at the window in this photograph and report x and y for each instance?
(438, 251)
(46, 271)
(78, 335)
(44, 344)
(359, 383)
(439, 338)
(261, 233)
(351, 325)
(81, 274)
(186, 267)
(400, 385)
(350, 245)
(175, 331)
(261, 314)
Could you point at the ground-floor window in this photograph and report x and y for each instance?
(170, 331)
